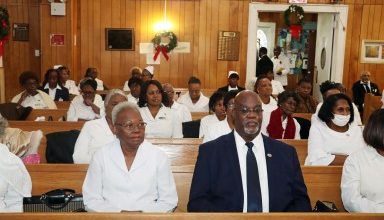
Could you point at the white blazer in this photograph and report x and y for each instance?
(147, 186)
(200, 106)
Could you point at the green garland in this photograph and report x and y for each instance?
(4, 23)
(166, 34)
(294, 9)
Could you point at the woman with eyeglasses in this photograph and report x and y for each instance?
(334, 136)
(129, 174)
(99, 132)
(87, 106)
(162, 122)
(280, 124)
(31, 96)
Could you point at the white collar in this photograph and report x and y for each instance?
(47, 86)
(367, 83)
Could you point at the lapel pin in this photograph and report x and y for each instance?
(269, 155)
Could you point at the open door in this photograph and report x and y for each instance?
(324, 51)
(266, 36)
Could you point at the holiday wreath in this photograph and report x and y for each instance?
(294, 15)
(164, 43)
(4, 28)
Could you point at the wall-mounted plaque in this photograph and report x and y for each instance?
(20, 32)
(119, 39)
(228, 45)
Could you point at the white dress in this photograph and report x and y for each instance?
(78, 110)
(324, 143)
(147, 186)
(166, 124)
(132, 99)
(362, 182)
(15, 182)
(205, 122)
(100, 84)
(217, 130)
(93, 136)
(200, 106)
(71, 86)
(277, 87)
(182, 111)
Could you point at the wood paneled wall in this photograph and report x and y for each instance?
(195, 21)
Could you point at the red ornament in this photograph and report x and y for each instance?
(296, 31)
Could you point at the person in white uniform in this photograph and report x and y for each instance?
(87, 106)
(216, 106)
(15, 182)
(328, 88)
(31, 96)
(194, 99)
(148, 73)
(99, 132)
(162, 121)
(66, 82)
(129, 174)
(136, 72)
(334, 136)
(280, 124)
(277, 87)
(362, 182)
(93, 73)
(52, 86)
(135, 88)
(280, 66)
(180, 109)
(225, 126)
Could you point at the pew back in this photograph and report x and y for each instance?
(323, 183)
(371, 103)
(54, 114)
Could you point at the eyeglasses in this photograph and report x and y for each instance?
(157, 92)
(130, 126)
(246, 111)
(231, 106)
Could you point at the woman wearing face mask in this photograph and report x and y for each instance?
(335, 136)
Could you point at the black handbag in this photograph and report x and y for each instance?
(325, 206)
(58, 200)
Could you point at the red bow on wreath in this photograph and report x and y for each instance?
(295, 30)
(161, 49)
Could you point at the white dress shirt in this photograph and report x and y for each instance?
(100, 84)
(284, 123)
(147, 186)
(52, 92)
(362, 182)
(200, 106)
(182, 111)
(259, 151)
(78, 110)
(356, 114)
(271, 106)
(277, 87)
(216, 130)
(166, 124)
(93, 136)
(71, 86)
(132, 99)
(126, 87)
(281, 63)
(205, 122)
(324, 143)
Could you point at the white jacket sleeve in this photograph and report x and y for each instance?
(317, 155)
(177, 126)
(71, 114)
(81, 151)
(350, 189)
(167, 200)
(93, 189)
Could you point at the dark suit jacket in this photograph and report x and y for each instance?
(62, 93)
(359, 93)
(263, 65)
(217, 185)
(224, 89)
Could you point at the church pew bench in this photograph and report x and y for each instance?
(62, 104)
(192, 216)
(181, 91)
(53, 114)
(307, 116)
(323, 183)
(371, 104)
(46, 126)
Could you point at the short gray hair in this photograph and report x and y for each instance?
(3, 125)
(120, 107)
(112, 93)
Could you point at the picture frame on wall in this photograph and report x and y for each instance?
(372, 51)
(119, 39)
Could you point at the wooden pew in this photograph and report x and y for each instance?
(62, 104)
(323, 183)
(181, 91)
(371, 103)
(192, 216)
(46, 126)
(198, 115)
(307, 116)
(55, 114)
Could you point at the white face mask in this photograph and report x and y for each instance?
(340, 120)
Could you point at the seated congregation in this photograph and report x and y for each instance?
(243, 163)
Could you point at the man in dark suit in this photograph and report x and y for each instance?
(264, 63)
(363, 86)
(245, 171)
(233, 81)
